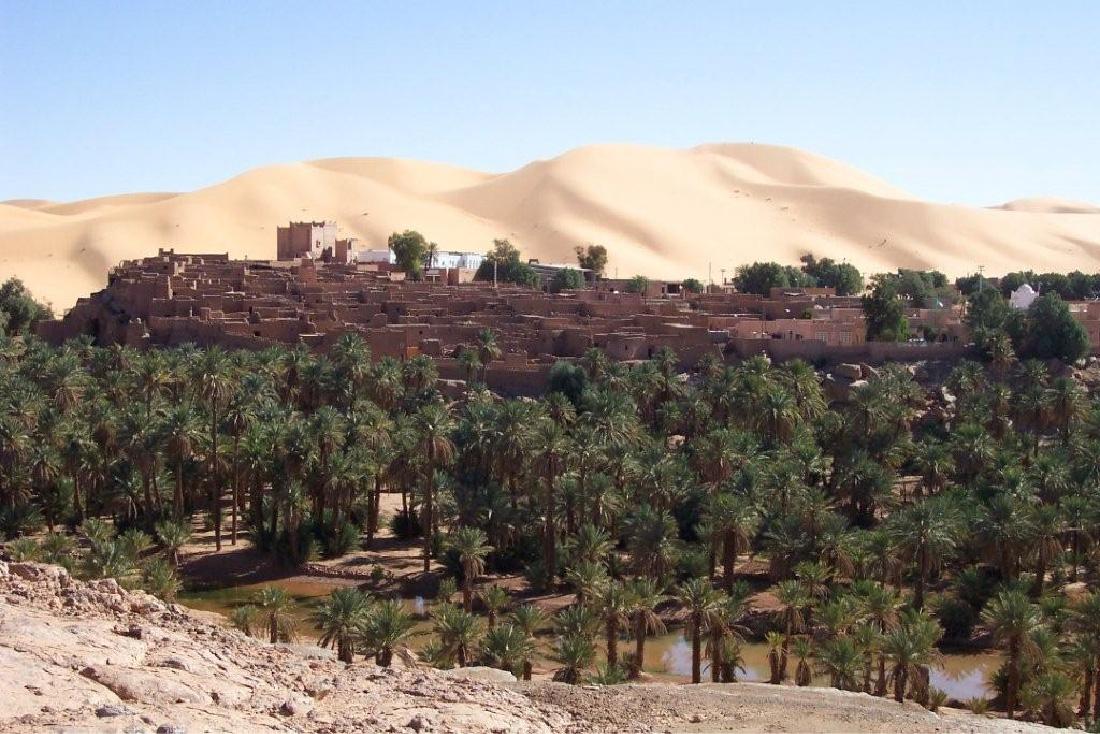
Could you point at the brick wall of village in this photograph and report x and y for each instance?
(175, 299)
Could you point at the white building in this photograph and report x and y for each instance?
(1023, 297)
(376, 256)
(449, 260)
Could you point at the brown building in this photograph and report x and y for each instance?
(308, 239)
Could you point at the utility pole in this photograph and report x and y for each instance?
(723, 276)
(494, 273)
(981, 277)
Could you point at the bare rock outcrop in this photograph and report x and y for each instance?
(93, 656)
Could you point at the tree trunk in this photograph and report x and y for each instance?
(236, 490)
(373, 500)
(177, 499)
(549, 529)
(900, 681)
(880, 684)
(639, 643)
(729, 559)
(426, 521)
(715, 653)
(215, 483)
(696, 651)
(76, 498)
(1086, 694)
(612, 642)
(922, 575)
(1013, 678)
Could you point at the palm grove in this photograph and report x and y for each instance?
(647, 487)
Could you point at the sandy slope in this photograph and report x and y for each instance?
(663, 212)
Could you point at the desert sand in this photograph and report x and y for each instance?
(661, 212)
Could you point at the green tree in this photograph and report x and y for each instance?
(843, 277)
(18, 309)
(409, 248)
(503, 262)
(276, 604)
(692, 285)
(1013, 620)
(703, 605)
(1052, 332)
(592, 257)
(471, 546)
(637, 284)
(885, 313)
(383, 629)
(339, 619)
(566, 279)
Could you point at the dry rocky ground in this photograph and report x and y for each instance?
(91, 656)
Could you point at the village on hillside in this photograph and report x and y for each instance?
(321, 287)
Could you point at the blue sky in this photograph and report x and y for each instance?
(974, 102)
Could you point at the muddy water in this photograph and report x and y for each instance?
(960, 675)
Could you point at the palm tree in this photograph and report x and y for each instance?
(276, 605)
(1013, 619)
(911, 649)
(215, 381)
(734, 518)
(552, 445)
(775, 641)
(645, 597)
(433, 425)
(575, 652)
(338, 620)
(488, 349)
(180, 431)
(509, 648)
(703, 604)
(495, 600)
(471, 364)
(614, 605)
(1085, 621)
(245, 618)
(1049, 694)
(840, 660)
(470, 544)
(924, 534)
(792, 600)
(589, 544)
(458, 632)
(803, 649)
(529, 619)
(878, 606)
(173, 535)
(1081, 658)
(383, 629)
(653, 542)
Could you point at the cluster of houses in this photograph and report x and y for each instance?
(312, 298)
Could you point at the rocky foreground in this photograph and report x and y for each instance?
(91, 656)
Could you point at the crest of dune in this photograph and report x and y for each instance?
(660, 212)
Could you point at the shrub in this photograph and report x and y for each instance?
(337, 542)
(405, 524)
(19, 520)
(159, 579)
(957, 618)
(566, 280)
(22, 550)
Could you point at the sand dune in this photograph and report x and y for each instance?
(665, 213)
